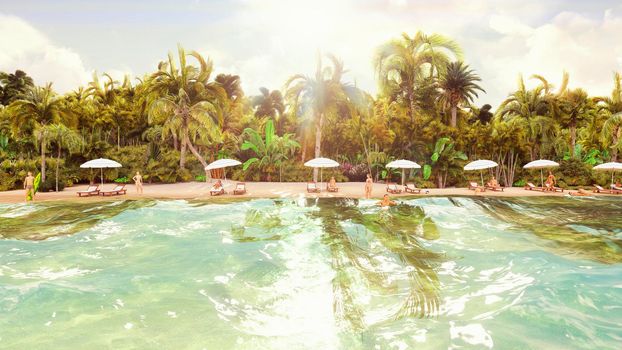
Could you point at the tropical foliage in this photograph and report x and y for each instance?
(172, 122)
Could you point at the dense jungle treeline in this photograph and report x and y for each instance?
(171, 123)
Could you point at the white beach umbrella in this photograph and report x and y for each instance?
(541, 164)
(480, 165)
(403, 164)
(321, 163)
(611, 166)
(101, 163)
(222, 163)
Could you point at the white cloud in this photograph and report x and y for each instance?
(24, 47)
(28, 49)
(586, 48)
(267, 41)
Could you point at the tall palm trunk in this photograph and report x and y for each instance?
(184, 138)
(616, 136)
(411, 106)
(57, 166)
(454, 115)
(303, 154)
(196, 154)
(318, 142)
(182, 153)
(42, 158)
(118, 137)
(573, 138)
(175, 142)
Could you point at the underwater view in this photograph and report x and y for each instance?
(429, 273)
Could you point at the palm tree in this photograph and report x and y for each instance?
(530, 107)
(270, 104)
(269, 151)
(444, 158)
(321, 95)
(576, 107)
(37, 108)
(110, 100)
(13, 86)
(612, 129)
(458, 85)
(62, 136)
(612, 134)
(185, 101)
(229, 112)
(408, 64)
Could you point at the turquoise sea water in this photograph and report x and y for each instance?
(431, 273)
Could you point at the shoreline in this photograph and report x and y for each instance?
(200, 191)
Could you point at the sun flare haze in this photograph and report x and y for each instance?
(266, 41)
(310, 174)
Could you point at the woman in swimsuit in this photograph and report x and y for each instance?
(138, 182)
(368, 186)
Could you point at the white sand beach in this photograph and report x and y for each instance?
(200, 190)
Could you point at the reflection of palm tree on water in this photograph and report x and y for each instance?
(395, 230)
(550, 223)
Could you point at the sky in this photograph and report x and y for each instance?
(266, 41)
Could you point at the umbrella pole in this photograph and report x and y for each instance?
(541, 178)
(481, 174)
(612, 172)
(403, 175)
(321, 179)
(102, 177)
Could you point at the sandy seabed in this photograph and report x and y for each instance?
(200, 190)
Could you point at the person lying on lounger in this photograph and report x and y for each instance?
(217, 185)
(386, 202)
(580, 193)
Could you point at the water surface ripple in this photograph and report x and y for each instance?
(459, 273)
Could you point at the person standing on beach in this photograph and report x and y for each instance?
(138, 181)
(29, 186)
(369, 184)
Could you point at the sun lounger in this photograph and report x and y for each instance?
(332, 188)
(599, 189)
(312, 187)
(392, 188)
(531, 187)
(552, 188)
(216, 191)
(475, 186)
(493, 188)
(411, 188)
(92, 190)
(118, 190)
(613, 190)
(240, 188)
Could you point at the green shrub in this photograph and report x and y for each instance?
(519, 183)
(199, 178)
(425, 184)
(133, 158)
(574, 172)
(49, 185)
(184, 175)
(122, 180)
(7, 181)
